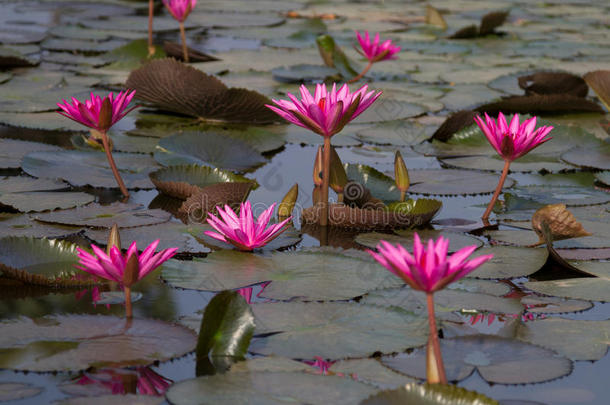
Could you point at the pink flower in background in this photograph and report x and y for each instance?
(112, 267)
(180, 9)
(321, 364)
(373, 50)
(428, 269)
(326, 112)
(512, 141)
(243, 231)
(97, 112)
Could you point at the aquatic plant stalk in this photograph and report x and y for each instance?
(434, 345)
(115, 170)
(151, 47)
(496, 194)
(185, 53)
(325, 181)
(361, 74)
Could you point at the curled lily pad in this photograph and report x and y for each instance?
(174, 86)
(12, 151)
(603, 177)
(308, 275)
(90, 168)
(553, 83)
(502, 265)
(37, 201)
(599, 81)
(182, 181)
(196, 207)
(78, 342)
(311, 329)
(207, 149)
(405, 238)
(497, 360)
(40, 261)
(428, 394)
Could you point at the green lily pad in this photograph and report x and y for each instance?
(11, 58)
(589, 288)
(312, 329)
(207, 149)
(575, 339)
(234, 19)
(429, 394)
(125, 215)
(399, 133)
(595, 158)
(131, 55)
(503, 263)
(268, 388)
(454, 182)
(25, 225)
(78, 342)
(327, 274)
(570, 196)
(182, 181)
(10, 391)
(40, 261)
(270, 363)
(603, 177)
(405, 238)
(497, 360)
(80, 45)
(12, 151)
(48, 121)
(553, 305)
(380, 185)
(304, 73)
(529, 163)
(134, 23)
(19, 184)
(121, 143)
(81, 168)
(124, 399)
(387, 110)
(37, 201)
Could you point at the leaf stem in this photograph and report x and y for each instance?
(494, 198)
(185, 53)
(325, 181)
(128, 310)
(436, 347)
(115, 171)
(361, 75)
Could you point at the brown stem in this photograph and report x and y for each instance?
(185, 53)
(325, 181)
(402, 196)
(497, 192)
(115, 171)
(151, 48)
(128, 311)
(361, 75)
(434, 339)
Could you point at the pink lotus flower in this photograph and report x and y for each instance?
(326, 112)
(247, 291)
(117, 382)
(244, 232)
(180, 9)
(112, 267)
(514, 140)
(427, 270)
(374, 51)
(98, 113)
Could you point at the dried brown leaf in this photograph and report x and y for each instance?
(491, 21)
(553, 83)
(599, 81)
(560, 221)
(541, 104)
(472, 31)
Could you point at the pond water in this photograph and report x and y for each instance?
(79, 46)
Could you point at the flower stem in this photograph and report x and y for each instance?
(325, 181)
(436, 347)
(185, 53)
(402, 196)
(115, 171)
(151, 48)
(498, 190)
(128, 310)
(361, 75)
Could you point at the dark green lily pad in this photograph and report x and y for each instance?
(10, 391)
(327, 274)
(11, 58)
(40, 261)
(24, 225)
(37, 201)
(78, 342)
(48, 121)
(80, 45)
(405, 238)
(497, 360)
(12, 151)
(182, 181)
(312, 329)
(268, 388)
(131, 55)
(399, 133)
(207, 149)
(553, 305)
(81, 168)
(124, 399)
(18, 184)
(234, 19)
(529, 163)
(503, 263)
(134, 23)
(454, 182)
(589, 288)
(304, 73)
(429, 394)
(370, 371)
(380, 185)
(105, 216)
(575, 339)
(570, 196)
(595, 158)
(387, 110)
(603, 177)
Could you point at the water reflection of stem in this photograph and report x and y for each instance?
(325, 181)
(361, 75)
(151, 48)
(494, 198)
(436, 347)
(115, 171)
(185, 54)
(128, 310)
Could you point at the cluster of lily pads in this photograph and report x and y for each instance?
(298, 304)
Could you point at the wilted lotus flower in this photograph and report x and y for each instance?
(429, 270)
(374, 51)
(100, 114)
(325, 113)
(511, 142)
(125, 270)
(180, 9)
(243, 231)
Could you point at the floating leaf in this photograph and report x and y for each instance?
(552, 305)
(174, 86)
(434, 17)
(123, 399)
(24, 225)
(80, 45)
(10, 58)
(334, 57)
(370, 371)
(131, 55)
(560, 222)
(196, 207)
(48, 121)
(532, 162)
(12, 151)
(595, 158)
(405, 238)
(305, 73)
(308, 275)
(78, 342)
(497, 360)
(541, 104)
(429, 394)
(37, 201)
(10, 391)
(454, 182)
(491, 21)
(599, 81)
(553, 83)
(502, 265)
(182, 181)
(19, 184)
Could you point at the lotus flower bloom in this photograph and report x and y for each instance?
(373, 50)
(243, 231)
(514, 140)
(428, 269)
(326, 112)
(97, 112)
(180, 9)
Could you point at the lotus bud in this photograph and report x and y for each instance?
(317, 168)
(114, 239)
(132, 269)
(401, 175)
(288, 202)
(105, 117)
